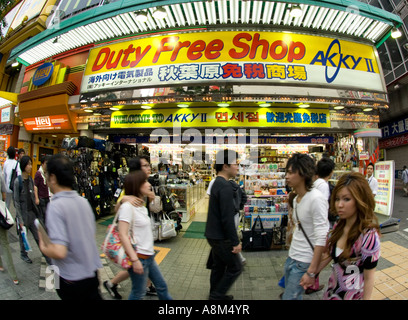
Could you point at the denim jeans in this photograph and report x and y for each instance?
(139, 281)
(294, 271)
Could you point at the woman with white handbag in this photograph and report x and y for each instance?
(4, 242)
(136, 236)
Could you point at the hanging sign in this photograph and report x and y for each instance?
(235, 57)
(221, 117)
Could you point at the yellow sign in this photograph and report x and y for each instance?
(250, 57)
(222, 117)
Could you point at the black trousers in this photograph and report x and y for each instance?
(86, 289)
(225, 267)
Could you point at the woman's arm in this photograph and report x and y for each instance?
(131, 253)
(369, 276)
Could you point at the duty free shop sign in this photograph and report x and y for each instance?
(233, 56)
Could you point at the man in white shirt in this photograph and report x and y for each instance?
(310, 208)
(372, 181)
(9, 165)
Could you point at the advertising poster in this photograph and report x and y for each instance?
(384, 173)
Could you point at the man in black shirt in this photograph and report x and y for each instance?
(220, 230)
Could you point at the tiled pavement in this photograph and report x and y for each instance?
(183, 266)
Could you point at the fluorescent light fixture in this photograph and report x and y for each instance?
(395, 33)
(15, 64)
(97, 114)
(141, 16)
(368, 109)
(146, 107)
(338, 107)
(114, 108)
(304, 106)
(159, 13)
(223, 105)
(182, 105)
(88, 110)
(265, 105)
(296, 11)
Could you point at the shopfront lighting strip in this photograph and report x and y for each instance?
(207, 13)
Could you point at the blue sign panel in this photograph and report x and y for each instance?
(43, 73)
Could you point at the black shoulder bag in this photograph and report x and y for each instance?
(300, 226)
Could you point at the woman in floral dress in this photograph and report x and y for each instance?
(354, 242)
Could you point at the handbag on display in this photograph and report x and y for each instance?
(113, 248)
(167, 228)
(156, 205)
(257, 238)
(6, 219)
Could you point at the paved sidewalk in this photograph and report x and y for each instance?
(183, 263)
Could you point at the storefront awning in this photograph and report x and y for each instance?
(119, 19)
(7, 98)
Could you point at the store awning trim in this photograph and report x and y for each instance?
(118, 20)
(7, 98)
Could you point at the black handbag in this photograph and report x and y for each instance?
(257, 238)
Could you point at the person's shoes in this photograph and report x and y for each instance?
(26, 259)
(310, 290)
(151, 291)
(112, 290)
(16, 282)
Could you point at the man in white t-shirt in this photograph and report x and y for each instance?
(404, 178)
(324, 172)
(9, 165)
(310, 208)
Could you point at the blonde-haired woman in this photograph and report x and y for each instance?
(354, 242)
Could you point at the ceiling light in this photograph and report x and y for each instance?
(15, 64)
(159, 13)
(338, 107)
(296, 11)
(223, 105)
(114, 108)
(395, 33)
(368, 109)
(182, 105)
(304, 106)
(88, 110)
(97, 114)
(146, 107)
(141, 16)
(265, 105)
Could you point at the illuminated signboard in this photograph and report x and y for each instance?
(233, 56)
(47, 123)
(221, 117)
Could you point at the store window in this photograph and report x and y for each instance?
(386, 4)
(394, 52)
(385, 59)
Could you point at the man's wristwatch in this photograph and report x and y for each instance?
(311, 274)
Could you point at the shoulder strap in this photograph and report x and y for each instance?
(300, 225)
(20, 183)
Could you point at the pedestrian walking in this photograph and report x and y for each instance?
(324, 171)
(9, 165)
(139, 163)
(26, 209)
(135, 221)
(220, 229)
(372, 181)
(42, 194)
(404, 178)
(354, 243)
(72, 230)
(4, 242)
(310, 210)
